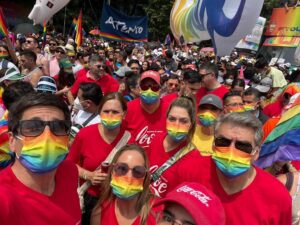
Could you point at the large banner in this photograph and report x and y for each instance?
(284, 23)
(291, 42)
(116, 26)
(252, 41)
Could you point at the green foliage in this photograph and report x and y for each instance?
(158, 12)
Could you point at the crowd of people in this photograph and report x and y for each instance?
(116, 133)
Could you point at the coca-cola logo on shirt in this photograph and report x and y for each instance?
(160, 185)
(145, 136)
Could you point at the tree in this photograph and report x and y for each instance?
(158, 12)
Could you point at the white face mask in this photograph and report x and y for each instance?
(77, 104)
(229, 81)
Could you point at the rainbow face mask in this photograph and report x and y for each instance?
(3, 55)
(238, 109)
(6, 156)
(231, 161)
(111, 121)
(149, 96)
(43, 153)
(176, 131)
(125, 187)
(207, 118)
(249, 108)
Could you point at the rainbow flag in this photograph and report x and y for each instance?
(283, 143)
(3, 26)
(78, 37)
(44, 33)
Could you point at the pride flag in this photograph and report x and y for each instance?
(78, 37)
(283, 143)
(3, 26)
(44, 33)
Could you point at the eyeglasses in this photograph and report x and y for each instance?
(235, 104)
(61, 52)
(121, 169)
(52, 44)
(28, 41)
(173, 85)
(243, 146)
(168, 218)
(154, 87)
(203, 75)
(33, 128)
(134, 68)
(99, 66)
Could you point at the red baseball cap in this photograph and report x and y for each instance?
(203, 205)
(151, 74)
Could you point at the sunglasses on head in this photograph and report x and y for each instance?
(121, 169)
(34, 128)
(146, 86)
(243, 146)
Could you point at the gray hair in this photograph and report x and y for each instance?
(244, 119)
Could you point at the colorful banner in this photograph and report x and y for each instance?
(78, 37)
(284, 23)
(251, 41)
(291, 42)
(116, 26)
(3, 26)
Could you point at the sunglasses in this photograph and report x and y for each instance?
(28, 41)
(61, 52)
(101, 66)
(240, 145)
(146, 86)
(173, 85)
(52, 44)
(34, 128)
(202, 76)
(121, 169)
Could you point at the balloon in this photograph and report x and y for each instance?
(226, 21)
(43, 10)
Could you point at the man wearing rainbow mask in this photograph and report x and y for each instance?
(249, 195)
(233, 102)
(39, 187)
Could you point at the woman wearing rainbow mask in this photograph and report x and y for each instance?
(93, 144)
(126, 196)
(173, 158)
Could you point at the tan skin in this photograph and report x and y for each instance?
(124, 209)
(29, 65)
(217, 112)
(180, 116)
(110, 107)
(237, 133)
(233, 103)
(209, 80)
(42, 183)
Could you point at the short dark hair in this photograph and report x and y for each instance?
(173, 77)
(91, 91)
(252, 91)
(261, 63)
(15, 91)
(132, 61)
(111, 96)
(29, 54)
(34, 99)
(123, 54)
(238, 82)
(128, 50)
(210, 67)
(231, 94)
(131, 81)
(191, 76)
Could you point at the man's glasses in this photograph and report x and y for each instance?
(99, 66)
(236, 104)
(60, 52)
(203, 75)
(121, 169)
(34, 128)
(28, 41)
(52, 44)
(173, 85)
(154, 87)
(243, 146)
(168, 218)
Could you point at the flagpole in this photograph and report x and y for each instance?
(65, 21)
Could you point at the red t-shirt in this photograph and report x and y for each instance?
(108, 216)
(21, 205)
(265, 201)
(89, 150)
(273, 110)
(186, 169)
(143, 125)
(81, 73)
(106, 82)
(220, 92)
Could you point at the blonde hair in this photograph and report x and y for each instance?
(143, 206)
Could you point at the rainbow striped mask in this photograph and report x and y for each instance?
(231, 161)
(43, 153)
(249, 108)
(238, 109)
(207, 118)
(111, 121)
(126, 187)
(3, 55)
(177, 131)
(149, 96)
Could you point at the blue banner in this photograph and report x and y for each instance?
(117, 26)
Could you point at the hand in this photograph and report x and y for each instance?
(97, 177)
